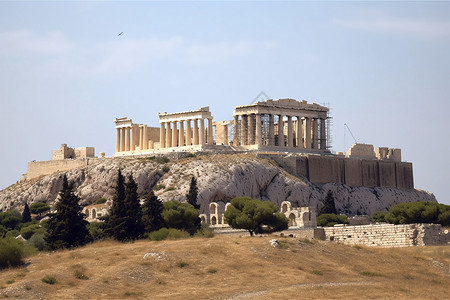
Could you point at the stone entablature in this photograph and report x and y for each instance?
(388, 235)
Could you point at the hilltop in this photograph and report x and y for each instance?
(220, 177)
(231, 267)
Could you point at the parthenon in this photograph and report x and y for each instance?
(275, 125)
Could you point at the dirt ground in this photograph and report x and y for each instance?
(231, 267)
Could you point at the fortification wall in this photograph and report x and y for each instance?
(323, 169)
(404, 175)
(388, 235)
(353, 176)
(39, 168)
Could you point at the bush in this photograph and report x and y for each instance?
(166, 169)
(11, 253)
(39, 208)
(37, 241)
(96, 230)
(12, 233)
(101, 201)
(181, 216)
(328, 220)
(204, 231)
(159, 187)
(10, 219)
(378, 216)
(28, 231)
(168, 233)
(49, 279)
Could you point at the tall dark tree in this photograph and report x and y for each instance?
(115, 221)
(133, 217)
(328, 204)
(152, 213)
(67, 228)
(26, 214)
(193, 193)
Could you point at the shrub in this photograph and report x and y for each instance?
(166, 169)
(12, 233)
(10, 219)
(378, 216)
(204, 231)
(181, 216)
(168, 233)
(37, 241)
(28, 231)
(182, 264)
(96, 230)
(159, 187)
(170, 188)
(49, 279)
(101, 201)
(11, 253)
(328, 220)
(39, 208)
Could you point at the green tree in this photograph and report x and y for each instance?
(193, 193)
(419, 212)
(181, 216)
(133, 216)
(378, 216)
(26, 214)
(328, 204)
(255, 216)
(152, 213)
(115, 221)
(67, 227)
(10, 219)
(328, 220)
(39, 208)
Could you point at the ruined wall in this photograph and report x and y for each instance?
(38, 168)
(323, 169)
(388, 235)
(84, 152)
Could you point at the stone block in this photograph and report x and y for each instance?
(387, 174)
(370, 173)
(353, 175)
(404, 175)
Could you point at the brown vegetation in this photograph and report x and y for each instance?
(230, 267)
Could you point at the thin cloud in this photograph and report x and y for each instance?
(417, 29)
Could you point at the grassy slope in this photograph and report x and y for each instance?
(226, 267)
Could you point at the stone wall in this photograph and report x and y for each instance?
(388, 235)
(38, 168)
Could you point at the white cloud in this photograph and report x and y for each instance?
(425, 30)
(54, 53)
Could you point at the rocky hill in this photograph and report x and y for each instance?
(220, 177)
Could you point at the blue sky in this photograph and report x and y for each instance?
(383, 67)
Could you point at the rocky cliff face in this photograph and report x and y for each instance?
(220, 177)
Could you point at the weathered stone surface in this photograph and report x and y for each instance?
(220, 177)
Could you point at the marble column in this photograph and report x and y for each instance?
(236, 131)
(300, 132)
(210, 132)
(244, 130)
(181, 134)
(307, 133)
(132, 138)
(162, 135)
(258, 133)
(323, 134)
(188, 133)
(201, 132)
(290, 135)
(174, 134)
(315, 133)
(271, 131)
(141, 137)
(127, 139)
(145, 137)
(195, 132)
(117, 139)
(251, 130)
(122, 139)
(169, 135)
(280, 131)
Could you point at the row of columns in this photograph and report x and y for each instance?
(171, 136)
(127, 138)
(307, 131)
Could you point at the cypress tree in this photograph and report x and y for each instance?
(133, 216)
(67, 228)
(115, 221)
(152, 213)
(328, 204)
(26, 215)
(193, 193)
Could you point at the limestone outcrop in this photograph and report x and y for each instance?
(220, 177)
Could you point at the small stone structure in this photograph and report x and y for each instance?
(388, 235)
(299, 217)
(63, 159)
(96, 211)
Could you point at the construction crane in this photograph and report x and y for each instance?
(348, 128)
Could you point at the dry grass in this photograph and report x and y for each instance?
(226, 267)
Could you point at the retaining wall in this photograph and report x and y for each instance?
(388, 235)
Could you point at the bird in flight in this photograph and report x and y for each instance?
(120, 34)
